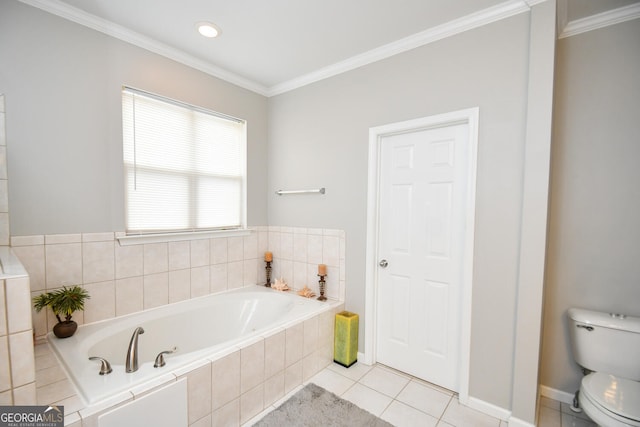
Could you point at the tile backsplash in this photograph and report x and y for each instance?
(126, 279)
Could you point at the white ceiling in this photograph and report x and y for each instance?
(267, 45)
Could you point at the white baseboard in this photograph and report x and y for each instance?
(362, 359)
(560, 396)
(488, 408)
(517, 422)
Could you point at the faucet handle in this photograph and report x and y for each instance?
(105, 367)
(159, 363)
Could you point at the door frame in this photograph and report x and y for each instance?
(470, 117)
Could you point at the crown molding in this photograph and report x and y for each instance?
(465, 23)
(484, 17)
(600, 20)
(109, 28)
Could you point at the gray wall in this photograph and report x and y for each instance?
(62, 86)
(593, 257)
(318, 136)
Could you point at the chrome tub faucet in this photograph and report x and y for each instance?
(131, 365)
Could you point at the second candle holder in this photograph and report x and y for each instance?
(268, 269)
(322, 284)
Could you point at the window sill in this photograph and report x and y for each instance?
(140, 239)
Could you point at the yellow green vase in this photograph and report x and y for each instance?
(345, 343)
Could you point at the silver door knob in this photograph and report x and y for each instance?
(383, 263)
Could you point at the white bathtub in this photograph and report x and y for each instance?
(199, 328)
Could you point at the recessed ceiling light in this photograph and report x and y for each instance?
(208, 29)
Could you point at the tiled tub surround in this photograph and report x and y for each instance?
(196, 328)
(126, 279)
(17, 371)
(227, 388)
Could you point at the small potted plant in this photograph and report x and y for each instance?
(63, 302)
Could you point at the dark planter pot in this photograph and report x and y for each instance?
(65, 329)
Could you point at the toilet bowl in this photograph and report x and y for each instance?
(610, 401)
(607, 347)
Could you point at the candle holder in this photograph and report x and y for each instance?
(322, 285)
(268, 269)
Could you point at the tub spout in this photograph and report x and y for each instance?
(132, 353)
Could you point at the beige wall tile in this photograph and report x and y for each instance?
(98, 237)
(156, 290)
(250, 273)
(57, 239)
(218, 281)
(292, 376)
(39, 320)
(228, 415)
(32, 258)
(251, 366)
(23, 368)
(235, 249)
(25, 395)
(218, 250)
(6, 398)
(309, 366)
(274, 349)
(203, 422)
(314, 249)
(300, 247)
(225, 374)
(250, 246)
(98, 261)
(326, 322)
(102, 304)
(34, 240)
(63, 264)
(286, 246)
(129, 261)
(199, 392)
(200, 278)
(156, 258)
(179, 285)
(3, 162)
(129, 295)
(293, 344)
(5, 372)
(274, 388)
(18, 303)
(179, 255)
(55, 392)
(310, 336)
(4, 229)
(3, 310)
(274, 242)
(200, 253)
(4, 193)
(263, 243)
(331, 250)
(235, 271)
(251, 403)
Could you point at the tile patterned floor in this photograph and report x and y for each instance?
(396, 397)
(403, 400)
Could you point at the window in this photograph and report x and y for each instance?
(184, 166)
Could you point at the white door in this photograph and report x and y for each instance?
(423, 180)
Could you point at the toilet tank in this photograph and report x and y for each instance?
(606, 342)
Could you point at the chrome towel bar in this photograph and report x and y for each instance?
(317, 190)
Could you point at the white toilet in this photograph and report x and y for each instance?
(608, 345)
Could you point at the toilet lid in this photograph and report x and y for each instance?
(617, 395)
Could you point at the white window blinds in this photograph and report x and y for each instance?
(184, 166)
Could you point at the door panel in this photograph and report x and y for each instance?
(423, 176)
